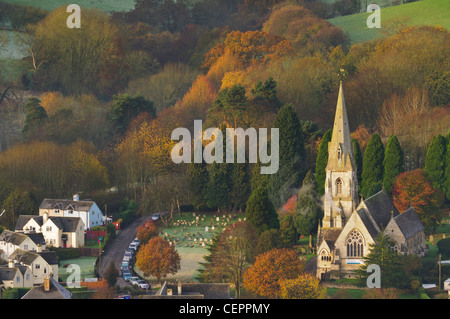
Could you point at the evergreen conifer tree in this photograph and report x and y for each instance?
(393, 163)
(260, 211)
(322, 161)
(435, 161)
(357, 155)
(372, 174)
(291, 156)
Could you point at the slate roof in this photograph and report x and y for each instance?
(330, 235)
(409, 223)
(380, 207)
(66, 204)
(12, 237)
(56, 292)
(27, 257)
(7, 273)
(67, 224)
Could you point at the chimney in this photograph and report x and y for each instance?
(44, 217)
(39, 248)
(10, 263)
(46, 283)
(179, 288)
(76, 197)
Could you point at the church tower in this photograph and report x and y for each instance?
(341, 183)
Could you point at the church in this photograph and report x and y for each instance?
(350, 226)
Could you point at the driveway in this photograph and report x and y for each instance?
(117, 249)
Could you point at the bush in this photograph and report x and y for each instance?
(66, 253)
(444, 247)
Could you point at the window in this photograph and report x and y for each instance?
(25, 247)
(338, 186)
(49, 228)
(18, 278)
(38, 266)
(27, 276)
(355, 244)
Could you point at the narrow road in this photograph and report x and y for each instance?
(117, 249)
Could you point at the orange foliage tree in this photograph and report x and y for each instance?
(158, 258)
(270, 268)
(413, 188)
(146, 232)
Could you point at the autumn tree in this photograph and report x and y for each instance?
(158, 258)
(76, 61)
(305, 286)
(146, 232)
(233, 253)
(270, 268)
(415, 188)
(392, 163)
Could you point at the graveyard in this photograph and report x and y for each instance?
(191, 233)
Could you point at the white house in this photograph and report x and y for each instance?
(87, 210)
(40, 263)
(15, 276)
(57, 231)
(10, 241)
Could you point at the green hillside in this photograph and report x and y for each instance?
(425, 12)
(104, 5)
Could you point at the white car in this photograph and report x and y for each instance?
(142, 284)
(134, 280)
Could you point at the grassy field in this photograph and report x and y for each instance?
(189, 232)
(86, 266)
(424, 12)
(104, 5)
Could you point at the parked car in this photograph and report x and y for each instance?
(128, 254)
(155, 217)
(126, 275)
(136, 242)
(126, 258)
(142, 284)
(134, 280)
(130, 250)
(133, 246)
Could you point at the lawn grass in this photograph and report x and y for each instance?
(86, 265)
(104, 5)
(424, 12)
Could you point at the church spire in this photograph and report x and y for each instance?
(340, 155)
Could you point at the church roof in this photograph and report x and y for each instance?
(380, 208)
(329, 235)
(409, 223)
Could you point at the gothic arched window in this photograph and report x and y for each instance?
(338, 186)
(355, 244)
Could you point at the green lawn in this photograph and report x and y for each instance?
(424, 12)
(86, 266)
(104, 5)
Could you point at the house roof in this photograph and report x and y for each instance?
(409, 223)
(7, 273)
(27, 257)
(67, 224)
(37, 238)
(65, 204)
(12, 237)
(56, 292)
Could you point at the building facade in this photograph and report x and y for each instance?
(349, 226)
